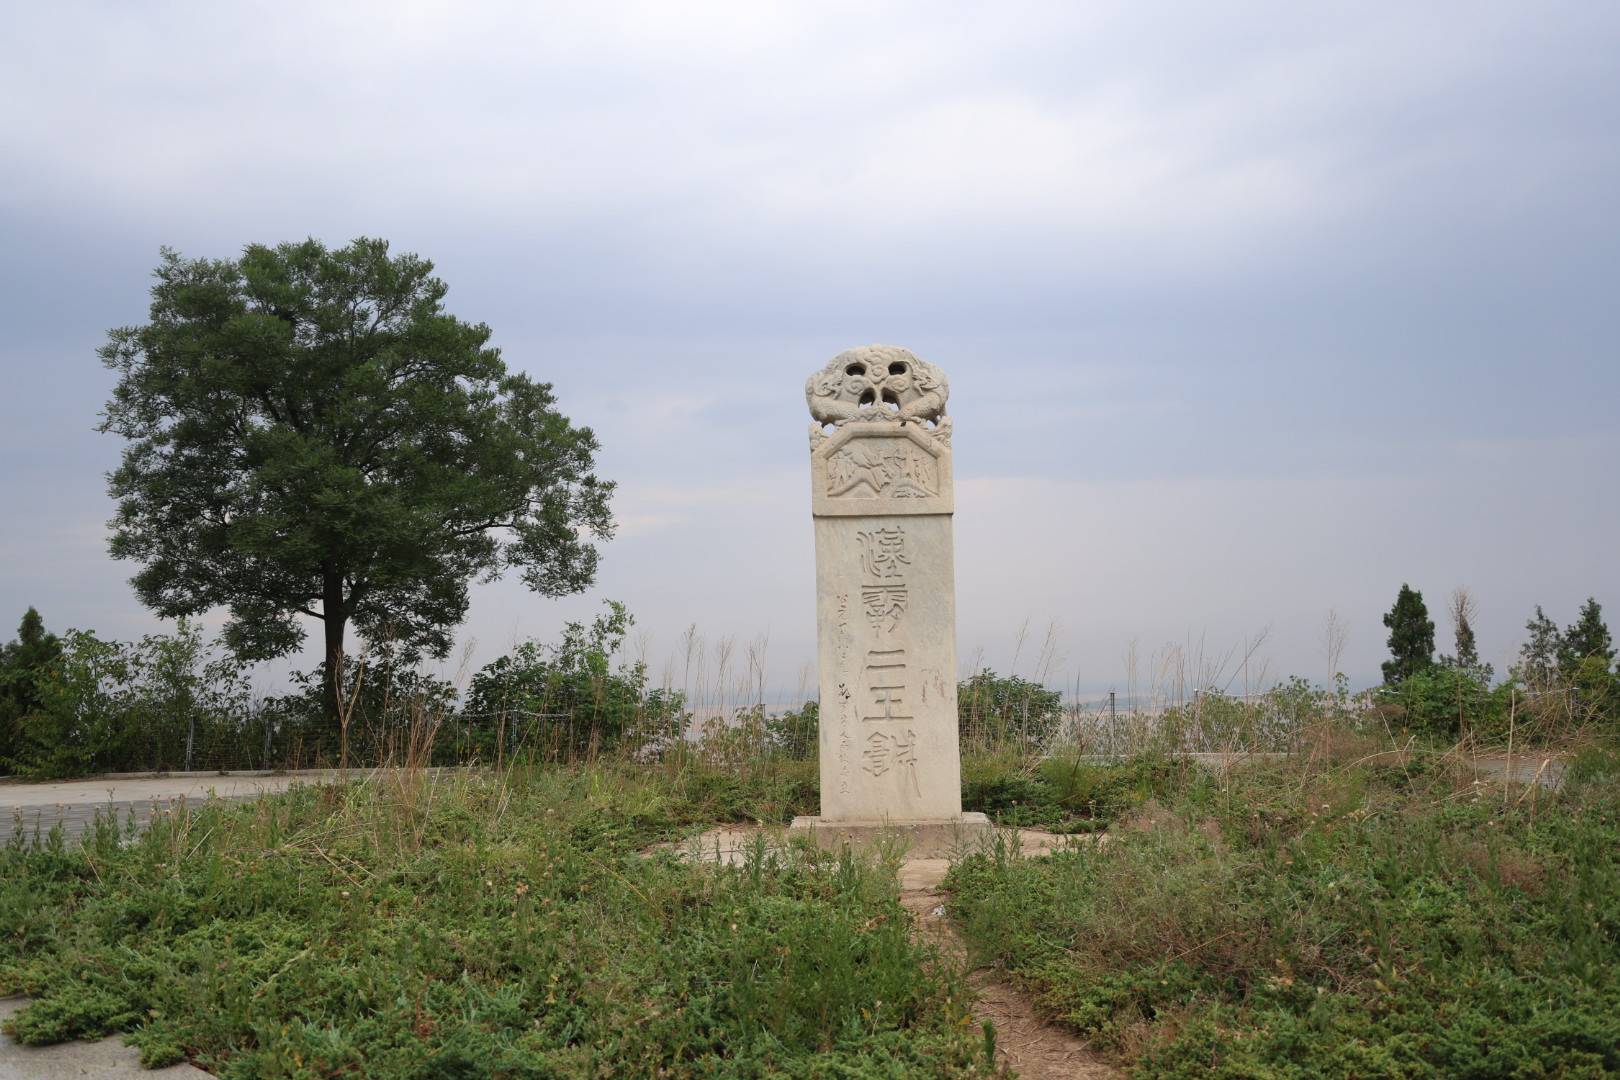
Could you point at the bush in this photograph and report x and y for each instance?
(795, 733)
(1216, 721)
(1446, 702)
(84, 700)
(569, 698)
(994, 710)
(176, 701)
(393, 714)
(171, 701)
(1063, 793)
(168, 701)
(1596, 692)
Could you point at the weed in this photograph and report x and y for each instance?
(1062, 793)
(477, 925)
(1329, 918)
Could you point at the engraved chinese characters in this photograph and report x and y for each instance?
(881, 494)
(883, 594)
(883, 551)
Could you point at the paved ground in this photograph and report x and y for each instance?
(105, 1059)
(74, 803)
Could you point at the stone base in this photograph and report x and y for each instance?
(932, 839)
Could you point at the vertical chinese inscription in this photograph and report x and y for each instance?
(886, 683)
(896, 751)
(883, 551)
(845, 747)
(885, 596)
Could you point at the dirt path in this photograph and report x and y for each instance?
(1035, 1049)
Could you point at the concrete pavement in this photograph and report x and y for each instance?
(104, 1059)
(73, 803)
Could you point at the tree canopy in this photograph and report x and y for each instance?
(23, 664)
(311, 434)
(1411, 636)
(1538, 656)
(1587, 638)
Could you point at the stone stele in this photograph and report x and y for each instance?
(882, 498)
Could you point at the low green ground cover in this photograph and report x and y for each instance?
(1329, 917)
(482, 926)
(1339, 915)
(1064, 793)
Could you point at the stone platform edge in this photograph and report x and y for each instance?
(933, 838)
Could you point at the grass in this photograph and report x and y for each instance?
(480, 926)
(1338, 914)
(1328, 917)
(1064, 793)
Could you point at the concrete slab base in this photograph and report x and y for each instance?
(930, 839)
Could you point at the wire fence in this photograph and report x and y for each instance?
(635, 725)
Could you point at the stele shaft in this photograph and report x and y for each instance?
(882, 501)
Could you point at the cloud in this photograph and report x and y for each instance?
(1249, 311)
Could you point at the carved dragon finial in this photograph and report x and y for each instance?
(877, 383)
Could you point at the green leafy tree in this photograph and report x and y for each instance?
(81, 725)
(1467, 648)
(23, 664)
(1588, 638)
(1411, 636)
(1540, 653)
(992, 708)
(1585, 655)
(1447, 700)
(1596, 696)
(186, 700)
(311, 434)
(795, 732)
(571, 697)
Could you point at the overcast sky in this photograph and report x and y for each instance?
(1247, 315)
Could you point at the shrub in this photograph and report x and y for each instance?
(168, 701)
(1063, 793)
(389, 707)
(1445, 702)
(83, 698)
(794, 733)
(570, 698)
(1596, 691)
(1274, 721)
(1000, 710)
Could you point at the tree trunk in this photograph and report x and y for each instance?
(336, 620)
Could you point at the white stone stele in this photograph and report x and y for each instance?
(882, 499)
